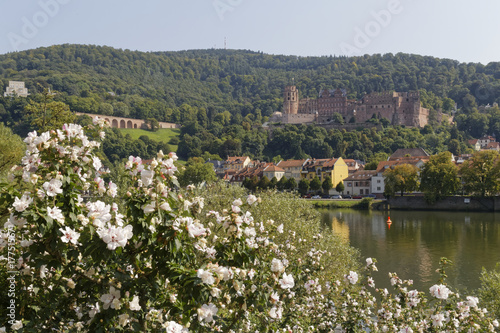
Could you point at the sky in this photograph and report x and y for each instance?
(456, 29)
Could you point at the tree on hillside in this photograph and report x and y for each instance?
(153, 124)
(12, 150)
(402, 178)
(291, 184)
(282, 183)
(315, 183)
(106, 109)
(251, 183)
(196, 172)
(481, 174)
(337, 118)
(340, 187)
(327, 184)
(273, 183)
(263, 183)
(303, 186)
(46, 114)
(375, 159)
(439, 177)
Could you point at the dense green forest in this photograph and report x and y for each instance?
(221, 97)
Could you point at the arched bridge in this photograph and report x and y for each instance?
(120, 122)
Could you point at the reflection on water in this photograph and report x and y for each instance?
(416, 241)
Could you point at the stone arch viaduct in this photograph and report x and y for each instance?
(120, 122)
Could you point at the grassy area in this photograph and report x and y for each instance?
(356, 204)
(162, 135)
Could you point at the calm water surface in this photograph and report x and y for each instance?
(416, 241)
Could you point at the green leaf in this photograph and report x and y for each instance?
(178, 244)
(50, 223)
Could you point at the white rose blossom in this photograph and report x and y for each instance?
(115, 236)
(205, 276)
(69, 235)
(277, 266)
(251, 199)
(56, 214)
(20, 204)
(134, 304)
(53, 187)
(287, 282)
(352, 277)
(207, 312)
(109, 299)
(173, 327)
(439, 291)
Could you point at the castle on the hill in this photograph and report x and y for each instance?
(400, 108)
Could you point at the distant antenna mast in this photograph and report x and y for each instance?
(225, 43)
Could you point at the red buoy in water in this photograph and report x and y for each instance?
(389, 222)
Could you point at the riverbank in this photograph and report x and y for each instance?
(364, 204)
(453, 204)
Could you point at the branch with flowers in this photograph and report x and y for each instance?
(165, 264)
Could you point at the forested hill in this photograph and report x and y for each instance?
(221, 97)
(157, 84)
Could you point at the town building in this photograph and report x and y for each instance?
(335, 168)
(251, 171)
(360, 183)
(485, 140)
(237, 162)
(378, 179)
(493, 146)
(399, 108)
(218, 167)
(273, 171)
(16, 88)
(408, 152)
(353, 165)
(475, 144)
(292, 168)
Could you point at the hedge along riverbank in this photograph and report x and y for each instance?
(365, 203)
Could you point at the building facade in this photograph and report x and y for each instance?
(400, 108)
(335, 168)
(16, 88)
(292, 168)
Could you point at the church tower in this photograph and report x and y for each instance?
(290, 100)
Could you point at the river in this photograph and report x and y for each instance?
(415, 242)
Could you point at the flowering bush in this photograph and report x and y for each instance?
(162, 264)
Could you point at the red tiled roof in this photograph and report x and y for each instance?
(273, 168)
(387, 164)
(362, 175)
(236, 159)
(291, 163)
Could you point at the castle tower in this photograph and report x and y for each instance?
(290, 100)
